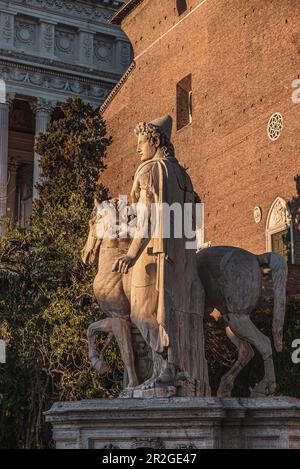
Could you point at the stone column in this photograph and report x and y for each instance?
(4, 125)
(42, 110)
(11, 205)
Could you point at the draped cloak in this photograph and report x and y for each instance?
(180, 305)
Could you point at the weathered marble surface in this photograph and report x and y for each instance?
(177, 423)
(150, 279)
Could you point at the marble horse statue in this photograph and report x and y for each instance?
(232, 279)
(111, 289)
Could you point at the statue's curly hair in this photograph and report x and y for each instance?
(154, 134)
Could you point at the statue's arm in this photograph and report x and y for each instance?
(143, 229)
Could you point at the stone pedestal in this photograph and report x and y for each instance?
(177, 423)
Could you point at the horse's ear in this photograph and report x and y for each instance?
(120, 204)
(97, 203)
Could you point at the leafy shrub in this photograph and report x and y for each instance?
(46, 299)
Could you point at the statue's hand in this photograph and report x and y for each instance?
(123, 264)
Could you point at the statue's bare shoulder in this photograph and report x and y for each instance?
(147, 179)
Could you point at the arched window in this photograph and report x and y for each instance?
(279, 230)
(181, 6)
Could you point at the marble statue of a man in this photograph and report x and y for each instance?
(167, 297)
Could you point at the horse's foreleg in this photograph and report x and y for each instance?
(122, 332)
(244, 328)
(245, 354)
(97, 359)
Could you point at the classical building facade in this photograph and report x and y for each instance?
(50, 50)
(228, 73)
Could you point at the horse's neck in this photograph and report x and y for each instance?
(112, 249)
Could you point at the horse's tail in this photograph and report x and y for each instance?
(279, 269)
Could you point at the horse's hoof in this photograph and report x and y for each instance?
(263, 389)
(148, 384)
(133, 385)
(99, 365)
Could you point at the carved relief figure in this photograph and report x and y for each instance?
(279, 214)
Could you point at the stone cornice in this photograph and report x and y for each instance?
(101, 10)
(118, 17)
(33, 81)
(79, 22)
(54, 73)
(117, 88)
(57, 68)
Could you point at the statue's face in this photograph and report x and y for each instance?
(146, 149)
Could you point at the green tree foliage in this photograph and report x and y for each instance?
(46, 299)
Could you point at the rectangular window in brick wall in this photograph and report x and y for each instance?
(184, 102)
(181, 6)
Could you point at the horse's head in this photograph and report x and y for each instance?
(110, 219)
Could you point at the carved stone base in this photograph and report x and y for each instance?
(186, 388)
(177, 423)
(157, 392)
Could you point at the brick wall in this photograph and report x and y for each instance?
(243, 56)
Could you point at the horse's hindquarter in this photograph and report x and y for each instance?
(108, 285)
(242, 280)
(231, 276)
(208, 267)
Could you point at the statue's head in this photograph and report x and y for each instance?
(154, 137)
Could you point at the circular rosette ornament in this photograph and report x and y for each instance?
(275, 126)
